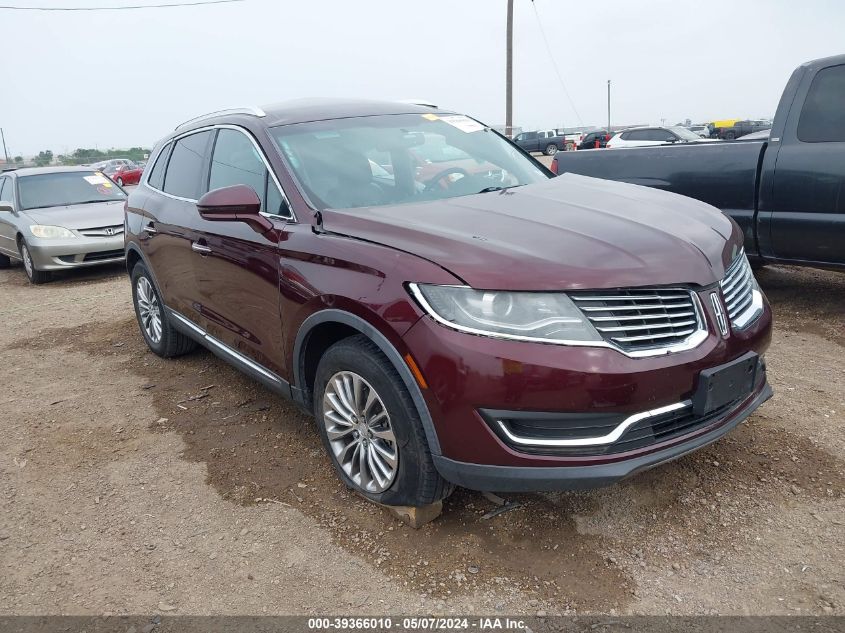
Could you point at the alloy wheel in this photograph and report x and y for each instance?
(359, 432)
(27, 261)
(148, 309)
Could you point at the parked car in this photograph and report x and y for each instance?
(124, 174)
(741, 128)
(515, 332)
(596, 139)
(54, 218)
(111, 163)
(702, 130)
(548, 142)
(786, 193)
(656, 135)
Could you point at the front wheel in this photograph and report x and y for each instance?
(161, 337)
(120, 181)
(34, 275)
(551, 149)
(371, 429)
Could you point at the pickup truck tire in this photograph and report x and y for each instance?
(551, 149)
(729, 136)
(365, 434)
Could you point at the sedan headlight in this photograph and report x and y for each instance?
(50, 232)
(548, 317)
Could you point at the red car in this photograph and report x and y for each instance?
(502, 330)
(125, 174)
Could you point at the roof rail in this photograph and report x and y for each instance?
(252, 111)
(419, 102)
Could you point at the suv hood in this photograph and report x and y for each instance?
(80, 216)
(568, 233)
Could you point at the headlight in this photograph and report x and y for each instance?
(50, 232)
(548, 317)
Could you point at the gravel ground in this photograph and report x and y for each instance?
(131, 484)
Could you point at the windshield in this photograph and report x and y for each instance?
(685, 134)
(394, 159)
(60, 189)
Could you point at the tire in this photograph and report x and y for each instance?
(551, 149)
(161, 337)
(413, 480)
(119, 181)
(35, 276)
(5, 261)
(729, 136)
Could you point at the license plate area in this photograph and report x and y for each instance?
(724, 384)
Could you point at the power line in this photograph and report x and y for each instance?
(554, 64)
(168, 5)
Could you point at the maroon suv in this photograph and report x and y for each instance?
(493, 328)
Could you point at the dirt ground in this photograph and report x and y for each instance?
(131, 484)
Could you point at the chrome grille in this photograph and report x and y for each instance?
(738, 288)
(642, 318)
(103, 231)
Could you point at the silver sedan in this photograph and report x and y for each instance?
(53, 218)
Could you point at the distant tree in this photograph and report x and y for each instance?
(45, 157)
(18, 160)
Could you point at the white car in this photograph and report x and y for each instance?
(641, 136)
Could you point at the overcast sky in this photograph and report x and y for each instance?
(126, 78)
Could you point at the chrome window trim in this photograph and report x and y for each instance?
(224, 348)
(245, 132)
(691, 342)
(601, 440)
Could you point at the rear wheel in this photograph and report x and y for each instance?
(729, 136)
(120, 181)
(161, 337)
(371, 429)
(551, 149)
(34, 275)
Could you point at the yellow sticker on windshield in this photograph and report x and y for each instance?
(431, 117)
(107, 185)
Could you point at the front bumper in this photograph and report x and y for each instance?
(534, 479)
(77, 252)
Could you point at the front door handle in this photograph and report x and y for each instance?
(199, 248)
(150, 229)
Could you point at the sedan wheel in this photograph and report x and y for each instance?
(33, 274)
(120, 181)
(359, 432)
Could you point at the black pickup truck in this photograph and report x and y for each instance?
(787, 193)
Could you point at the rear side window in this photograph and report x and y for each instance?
(823, 115)
(156, 178)
(3, 187)
(184, 170)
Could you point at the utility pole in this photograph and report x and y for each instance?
(509, 74)
(5, 153)
(608, 106)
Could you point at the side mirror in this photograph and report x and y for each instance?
(238, 203)
(6, 206)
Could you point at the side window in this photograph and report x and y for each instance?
(626, 136)
(156, 178)
(236, 161)
(823, 117)
(184, 170)
(530, 136)
(638, 135)
(3, 182)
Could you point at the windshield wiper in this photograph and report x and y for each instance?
(95, 201)
(497, 188)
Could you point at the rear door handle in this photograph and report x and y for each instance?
(199, 248)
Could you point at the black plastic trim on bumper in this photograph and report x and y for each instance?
(543, 478)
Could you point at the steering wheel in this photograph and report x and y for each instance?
(429, 184)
